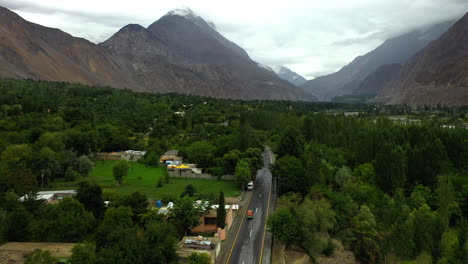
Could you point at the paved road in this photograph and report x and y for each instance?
(248, 247)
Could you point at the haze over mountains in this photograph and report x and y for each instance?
(438, 74)
(289, 75)
(396, 50)
(178, 53)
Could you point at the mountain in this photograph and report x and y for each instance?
(290, 76)
(182, 53)
(395, 50)
(436, 75)
(179, 53)
(28, 50)
(377, 80)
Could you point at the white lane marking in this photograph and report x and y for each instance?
(260, 195)
(256, 210)
(250, 233)
(243, 262)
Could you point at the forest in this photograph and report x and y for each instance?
(388, 191)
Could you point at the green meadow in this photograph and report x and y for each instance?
(144, 180)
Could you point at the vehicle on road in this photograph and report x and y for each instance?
(250, 186)
(250, 214)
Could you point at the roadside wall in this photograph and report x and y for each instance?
(178, 173)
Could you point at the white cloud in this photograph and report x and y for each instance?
(312, 37)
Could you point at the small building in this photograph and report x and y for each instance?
(172, 156)
(51, 196)
(198, 244)
(129, 155)
(351, 113)
(208, 221)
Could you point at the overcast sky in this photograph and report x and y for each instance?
(311, 37)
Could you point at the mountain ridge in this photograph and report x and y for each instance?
(138, 58)
(435, 75)
(394, 50)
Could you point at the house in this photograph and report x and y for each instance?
(51, 196)
(208, 221)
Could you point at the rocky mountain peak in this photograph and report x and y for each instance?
(289, 75)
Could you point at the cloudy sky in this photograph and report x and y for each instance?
(312, 37)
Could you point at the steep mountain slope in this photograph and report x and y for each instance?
(290, 76)
(394, 50)
(150, 60)
(436, 75)
(377, 80)
(182, 53)
(28, 50)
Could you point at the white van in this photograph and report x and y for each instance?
(250, 186)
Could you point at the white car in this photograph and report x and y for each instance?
(250, 186)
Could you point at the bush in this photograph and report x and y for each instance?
(199, 258)
(71, 175)
(329, 249)
(160, 183)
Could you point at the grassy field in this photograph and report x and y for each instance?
(144, 179)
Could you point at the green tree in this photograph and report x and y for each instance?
(449, 245)
(120, 170)
(291, 143)
(90, 195)
(46, 164)
(152, 159)
(426, 226)
(202, 153)
(115, 218)
(391, 165)
(365, 173)
(84, 165)
(254, 156)
(284, 226)
(40, 257)
(290, 173)
(221, 211)
(159, 242)
(66, 221)
(230, 160)
(365, 245)
(18, 225)
(315, 218)
(185, 215)
(71, 175)
(199, 258)
(242, 173)
(137, 201)
(446, 196)
(189, 190)
(83, 253)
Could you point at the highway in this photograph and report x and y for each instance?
(248, 247)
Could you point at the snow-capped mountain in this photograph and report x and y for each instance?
(290, 76)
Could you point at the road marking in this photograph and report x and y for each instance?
(238, 230)
(256, 210)
(264, 230)
(260, 196)
(250, 233)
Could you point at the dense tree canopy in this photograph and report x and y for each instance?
(389, 183)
